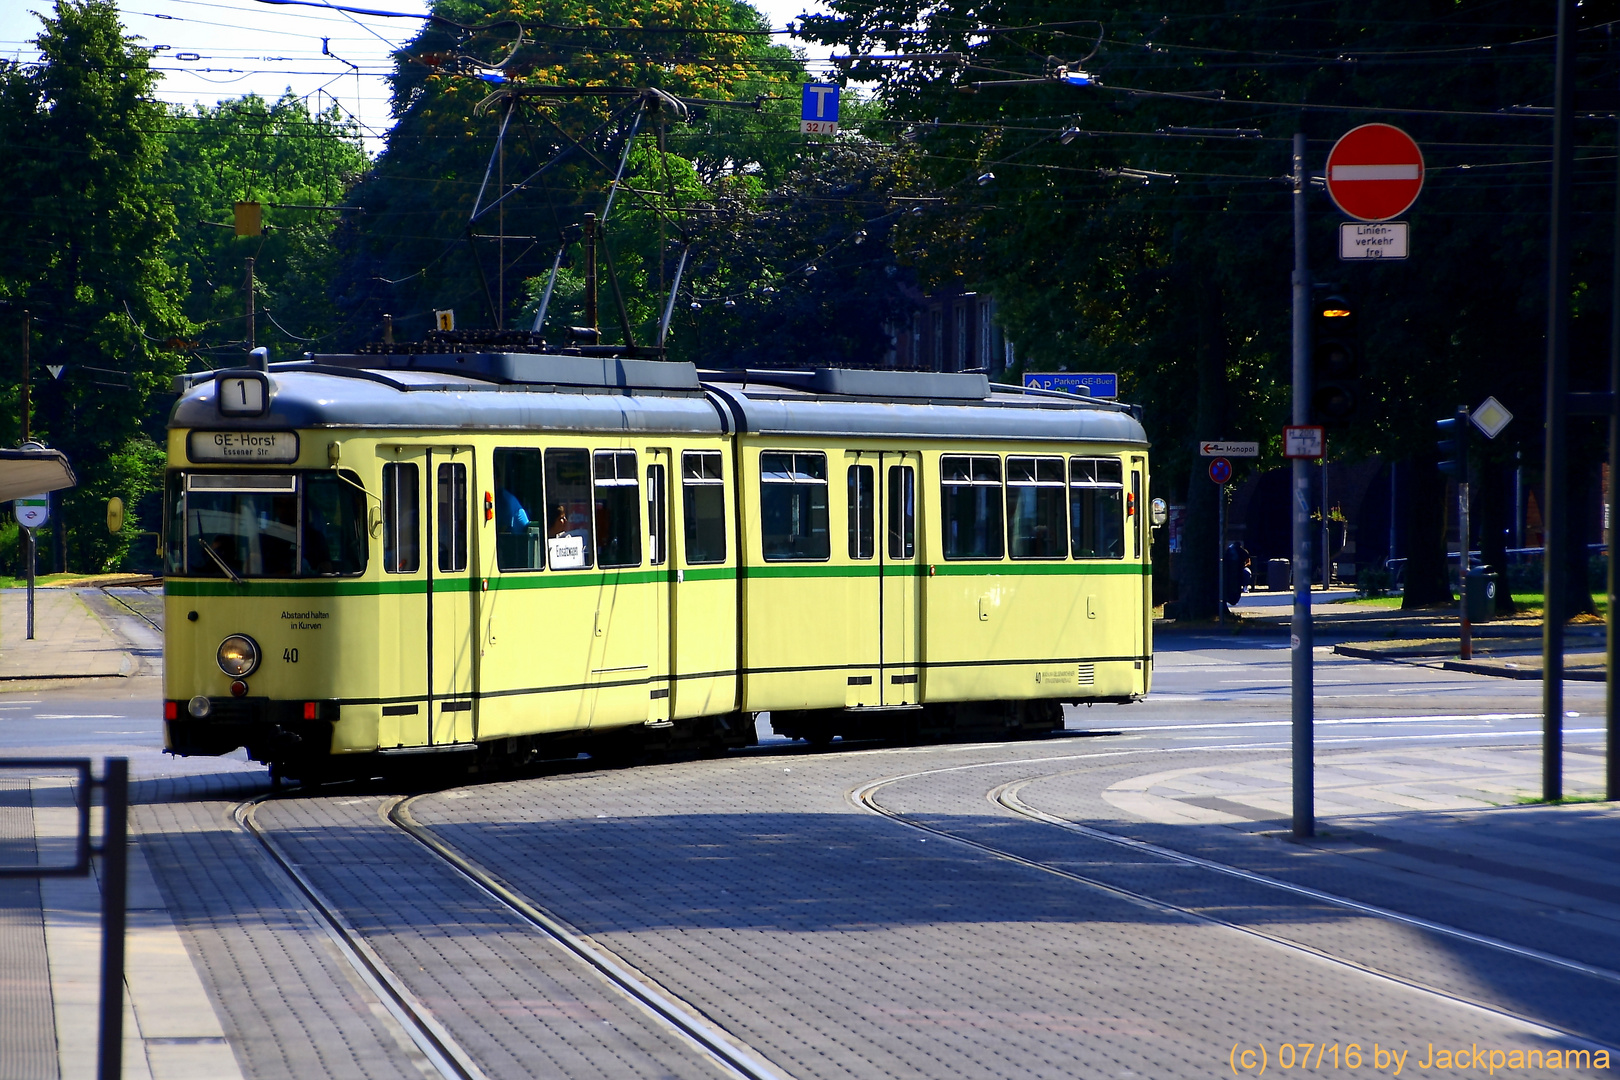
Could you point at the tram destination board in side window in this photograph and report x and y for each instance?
(243, 447)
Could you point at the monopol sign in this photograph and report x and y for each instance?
(1372, 240)
(818, 112)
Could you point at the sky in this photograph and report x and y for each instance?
(211, 50)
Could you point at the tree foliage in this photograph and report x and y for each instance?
(299, 166)
(88, 229)
(1142, 225)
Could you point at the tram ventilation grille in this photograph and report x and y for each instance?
(1087, 675)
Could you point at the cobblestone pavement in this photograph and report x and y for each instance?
(838, 943)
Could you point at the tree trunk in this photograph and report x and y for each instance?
(1200, 554)
(1426, 580)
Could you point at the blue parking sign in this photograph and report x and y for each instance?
(818, 114)
(1098, 384)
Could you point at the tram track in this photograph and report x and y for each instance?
(436, 1043)
(1006, 796)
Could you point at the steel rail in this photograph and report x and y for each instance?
(864, 797)
(1007, 796)
(436, 1044)
(670, 1013)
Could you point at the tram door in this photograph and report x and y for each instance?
(402, 603)
(900, 593)
(452, 648)
(659, 670)
(1141, 539)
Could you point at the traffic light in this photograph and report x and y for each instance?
(1335, 367)
(1453, 445)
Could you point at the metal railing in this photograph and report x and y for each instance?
(114, 852)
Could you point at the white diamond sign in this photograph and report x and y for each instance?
(1491, 417)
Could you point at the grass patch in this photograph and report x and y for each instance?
(1382, 602)
(42, 580)
(1531, 604)
(1567, 800)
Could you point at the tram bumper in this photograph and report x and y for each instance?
(270, 730)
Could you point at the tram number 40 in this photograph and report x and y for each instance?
(289, 656)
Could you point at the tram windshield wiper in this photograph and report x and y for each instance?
(222, 564)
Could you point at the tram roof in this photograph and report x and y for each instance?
(612, 394)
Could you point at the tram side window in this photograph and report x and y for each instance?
(971, 502)
(862, 522)
(902, 512)
(1035, 512)
(1097, 508)
(569, 509)
(334, 533)
(519, 499)
(793, 506)
(618, 509)
(703, 492)
(401, 518)
(450, 514)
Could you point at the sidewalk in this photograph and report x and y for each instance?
(50, 955)
(79, 633)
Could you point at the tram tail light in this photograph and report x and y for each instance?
(311, 710)
(171, 710)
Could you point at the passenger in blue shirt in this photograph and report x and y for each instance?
(510, 515)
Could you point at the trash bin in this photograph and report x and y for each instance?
(1277, 575)
(1481, 594)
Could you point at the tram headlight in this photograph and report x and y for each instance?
(238, 656)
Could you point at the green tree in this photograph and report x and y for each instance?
(299, 166)
(413, 251)
(1140, 224)
(87, 231)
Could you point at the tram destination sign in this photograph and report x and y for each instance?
(243, 447)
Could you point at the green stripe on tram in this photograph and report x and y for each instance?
(570, 579)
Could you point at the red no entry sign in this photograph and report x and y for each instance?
(1375, 172)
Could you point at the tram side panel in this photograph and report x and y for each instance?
(1032, 591)
(795, 587)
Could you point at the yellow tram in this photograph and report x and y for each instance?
(431, 549)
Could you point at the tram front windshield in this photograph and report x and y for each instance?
(270, 525)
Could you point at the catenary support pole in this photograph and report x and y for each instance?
(1300, 635)
(1554, 498)
(1610, 713)
(252, 300)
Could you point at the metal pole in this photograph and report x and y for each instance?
(27, 376)
(1553, 505)
(114, 883)
(1220, 553)
(1611, 714)
(252, 303)
(1465, 649)
(1327, 551)
(1300, 635)
(590, 271)
(28, 545)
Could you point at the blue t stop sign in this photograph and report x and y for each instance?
(818, 113)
